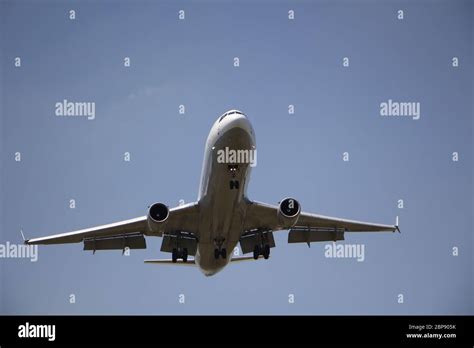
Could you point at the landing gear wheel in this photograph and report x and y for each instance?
(185, 255)
(174, 255)
(256, 252)
(266, 251)
(224, 253)
(216, 253)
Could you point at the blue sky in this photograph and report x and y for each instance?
(282, 62)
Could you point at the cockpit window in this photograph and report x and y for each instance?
(230, 113)
(222, 117)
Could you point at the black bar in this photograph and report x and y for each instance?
(140, 330)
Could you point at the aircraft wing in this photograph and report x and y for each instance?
(128, 232)
(110, 230)
(309, 227)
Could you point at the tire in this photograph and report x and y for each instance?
(224, 253)
(266, 251)
(185, 255)
(174, 255)
(256, 252)
(216, 254)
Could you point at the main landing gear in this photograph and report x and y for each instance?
(179, 254)
(261, 250)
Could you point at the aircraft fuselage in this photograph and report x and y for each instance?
(223, 189)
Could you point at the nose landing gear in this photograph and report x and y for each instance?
(234, 184)
(219, 250)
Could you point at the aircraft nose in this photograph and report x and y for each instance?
(235, 120)
(239, 121)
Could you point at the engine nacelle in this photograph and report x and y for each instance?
(158, 214)
(288, 212)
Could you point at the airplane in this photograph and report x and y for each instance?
(221, 217)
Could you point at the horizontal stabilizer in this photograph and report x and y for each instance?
(192, 263)
(170, 262)
(244, 258)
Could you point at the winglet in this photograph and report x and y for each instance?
(396, 225)
(25, 241)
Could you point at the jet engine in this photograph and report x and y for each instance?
(288, 212)
(158, 214)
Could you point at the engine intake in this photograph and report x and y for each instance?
(158, 214)
(289, 212)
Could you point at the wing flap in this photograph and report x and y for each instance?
(305, 235)
(116, 243)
